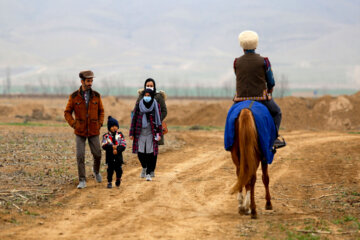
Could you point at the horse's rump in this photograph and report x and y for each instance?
(266, 130)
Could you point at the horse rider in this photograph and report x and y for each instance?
(255, 80)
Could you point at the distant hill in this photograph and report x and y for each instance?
(314, 43)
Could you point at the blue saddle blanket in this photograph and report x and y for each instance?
(264, 124)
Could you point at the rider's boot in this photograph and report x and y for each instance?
(278, 143)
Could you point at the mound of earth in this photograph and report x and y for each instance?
(324, 113)
(327, 113)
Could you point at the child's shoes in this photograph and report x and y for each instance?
(118, 181)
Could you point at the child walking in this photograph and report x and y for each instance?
(114, 144)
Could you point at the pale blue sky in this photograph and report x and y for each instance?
(314, 43)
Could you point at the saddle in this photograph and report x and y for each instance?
(265, 126)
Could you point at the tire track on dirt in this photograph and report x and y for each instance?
(168, 202)
(283, 168)
(297, 141)
(174, 182)
(188, 199)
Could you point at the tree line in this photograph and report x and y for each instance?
(58, 85)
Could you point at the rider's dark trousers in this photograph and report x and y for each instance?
(275, 112)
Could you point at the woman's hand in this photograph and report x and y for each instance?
(131, 137)
(159, 138)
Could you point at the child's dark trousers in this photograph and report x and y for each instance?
(114, 165)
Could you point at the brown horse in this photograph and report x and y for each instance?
(247, 156)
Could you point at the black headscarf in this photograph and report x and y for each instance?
(150, 80)
(152, 93)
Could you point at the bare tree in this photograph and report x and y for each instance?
(60, 88)
(31, 89)
(283, 86)
(120, 88)
(106, 86)
(198, 90)
(173, 86)
(44, 85)
(7, 81)
(74, 85)
(176, 90)
(229, 86)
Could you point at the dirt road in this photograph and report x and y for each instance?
(313, 182)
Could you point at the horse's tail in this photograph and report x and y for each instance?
(249, 149)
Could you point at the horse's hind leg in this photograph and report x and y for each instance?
(252, 205)
(266, 180)
(246, 202)
(240, 198)
(241, 207)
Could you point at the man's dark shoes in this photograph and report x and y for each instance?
(279, 143)
(118, 181)
(109, 185)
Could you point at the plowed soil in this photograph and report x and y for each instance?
(314, 181)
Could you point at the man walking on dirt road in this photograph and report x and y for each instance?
(89, 117)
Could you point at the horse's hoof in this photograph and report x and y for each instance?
(241, 210)
(268, 206)
(253, 214)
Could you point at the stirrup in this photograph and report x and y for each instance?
(279, 144)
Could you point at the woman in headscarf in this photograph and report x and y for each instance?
(146, 131)
(160, 97)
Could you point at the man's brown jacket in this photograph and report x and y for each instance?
(88, 120)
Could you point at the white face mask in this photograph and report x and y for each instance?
(152, 89)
